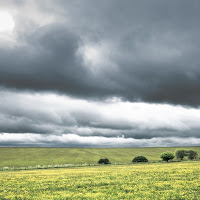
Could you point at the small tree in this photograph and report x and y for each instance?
(140, 159)
(104, 161)
(166, 156)
(180, 154)
(192, 154)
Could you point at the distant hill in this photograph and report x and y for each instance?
(19, 157)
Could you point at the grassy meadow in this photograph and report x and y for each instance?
(179, 180)
(19, 157)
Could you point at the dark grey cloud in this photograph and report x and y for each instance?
(137, 50)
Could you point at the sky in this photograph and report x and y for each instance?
(90, 73)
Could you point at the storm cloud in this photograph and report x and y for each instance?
(136, 50)
(125, 71)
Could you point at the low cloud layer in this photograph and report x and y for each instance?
(35, 117)
(69, 140)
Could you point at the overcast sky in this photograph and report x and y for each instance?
(90, 73)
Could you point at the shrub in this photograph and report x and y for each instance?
(140, 159)
(180, 154)
(192, 154)
(166, 156)
(104, 161)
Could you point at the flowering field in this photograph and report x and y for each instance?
(140, 181)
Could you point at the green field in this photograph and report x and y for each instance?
(17, 157)
(179, 180)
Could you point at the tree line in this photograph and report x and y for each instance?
(165, 156)
(180, 154)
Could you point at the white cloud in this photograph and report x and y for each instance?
(96, 141)
(96, 56)
(53, 117)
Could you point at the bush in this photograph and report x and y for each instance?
(104, 161)
(166, 156)
(180, 154)
(192, 154)
(140, 159)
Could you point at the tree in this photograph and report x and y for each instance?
(192, 154)
(140, 159)
(180, 154)
(166, 156)
(104, 161)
